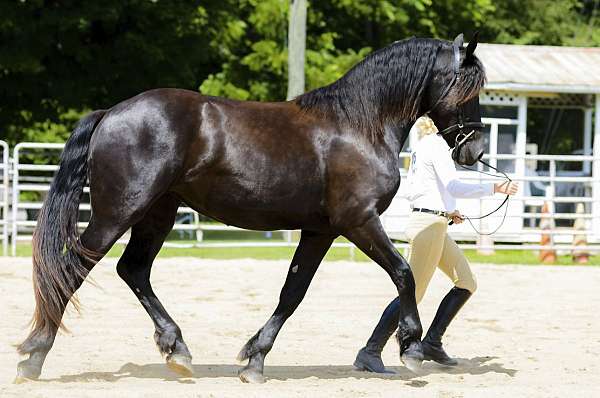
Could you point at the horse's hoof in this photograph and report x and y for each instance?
(412, 357)
(26, 373)
(253, 376)
(21, 380)
(412, 362)
(181, 365)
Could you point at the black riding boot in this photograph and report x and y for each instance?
(449, 307)
(369, 357)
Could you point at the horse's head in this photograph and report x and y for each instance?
(452, 100)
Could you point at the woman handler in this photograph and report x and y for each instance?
(431, 188)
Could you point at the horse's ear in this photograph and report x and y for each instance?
(472, 46)
(459, 41)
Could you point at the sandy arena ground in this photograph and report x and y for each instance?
(529, 331)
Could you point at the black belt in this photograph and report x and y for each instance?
(436, 212)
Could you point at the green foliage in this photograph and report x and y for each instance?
(62, 58)
(48, 130)
(58, 56)
(341, 32)
(257, 69)
(534, 22)
(327, 64)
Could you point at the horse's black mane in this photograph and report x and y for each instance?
(388, 85)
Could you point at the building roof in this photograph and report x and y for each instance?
(541, 68)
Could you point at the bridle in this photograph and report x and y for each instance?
(462, 136)
(461, 127)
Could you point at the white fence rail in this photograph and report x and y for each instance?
(4, 203)
(37, 181)
(30, 181)
(563, 188)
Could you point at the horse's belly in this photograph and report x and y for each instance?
(257, 204)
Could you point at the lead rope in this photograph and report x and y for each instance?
(504, 202)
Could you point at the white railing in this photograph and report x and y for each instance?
(35, 178)
(40, 183)
(4, 203)
(514, 228)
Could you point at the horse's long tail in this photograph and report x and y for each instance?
(58, 255)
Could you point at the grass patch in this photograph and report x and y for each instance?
(527, 257)
(335, 254)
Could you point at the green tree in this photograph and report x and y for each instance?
(341, 32)
(546, 22)
(60, 58)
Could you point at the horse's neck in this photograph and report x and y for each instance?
(396, 135)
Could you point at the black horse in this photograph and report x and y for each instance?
(325, 163)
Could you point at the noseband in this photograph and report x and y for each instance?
(461, 128)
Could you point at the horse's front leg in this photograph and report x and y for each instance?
(374, 242)
(309, 253)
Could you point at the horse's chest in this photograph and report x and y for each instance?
(389, 183)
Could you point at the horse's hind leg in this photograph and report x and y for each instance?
(311, 250)
(97, 237)
(147, 237)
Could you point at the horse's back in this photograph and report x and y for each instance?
(248, 163)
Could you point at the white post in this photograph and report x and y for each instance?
(199, 232)
(521, 140)
(485, 243)
(296, 48)
(596, 170)
(5, 205)
(15, 199)
(521, 146)
(494, 144)
(587, 138)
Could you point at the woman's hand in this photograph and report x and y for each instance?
(506, 187)
(456, 217)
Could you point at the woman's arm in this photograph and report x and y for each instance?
(446, 172)
(460, 189)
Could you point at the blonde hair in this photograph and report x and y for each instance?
(425, 126)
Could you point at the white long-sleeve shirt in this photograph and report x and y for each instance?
(433, 182)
